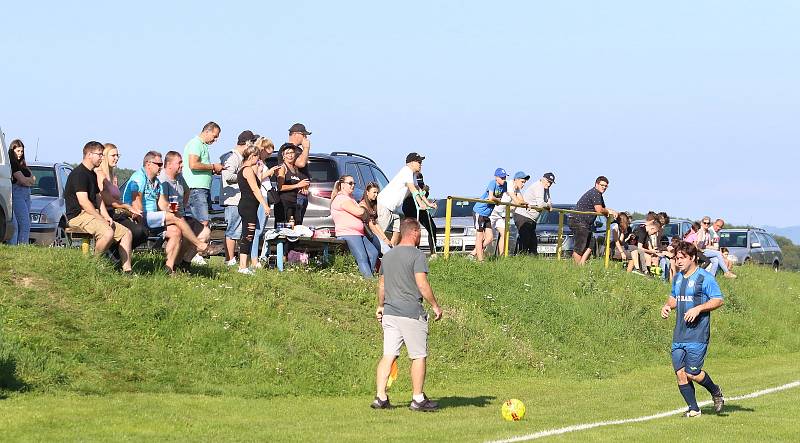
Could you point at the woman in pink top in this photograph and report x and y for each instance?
(348, 219)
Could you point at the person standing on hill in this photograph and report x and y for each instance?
(536, 196)
(695, 293)
(482, 211)
(391, 197)
(298, 137)
(198, 169)
(232, 162)
(402, 285)
(582, 225)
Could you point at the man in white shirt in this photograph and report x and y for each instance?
(537, 195)
(390, 199)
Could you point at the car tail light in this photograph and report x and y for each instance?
(324, 193)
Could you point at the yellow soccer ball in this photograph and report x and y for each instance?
(513, 410)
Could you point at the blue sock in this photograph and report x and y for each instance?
(709, 385)
(687, 391)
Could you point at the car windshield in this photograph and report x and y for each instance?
(733, 239)
(460, 208)
(46, 184)
(550, 218)
(321, 170)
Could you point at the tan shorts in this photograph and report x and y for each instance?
(93, 226)
(388, 220)
(411, 331)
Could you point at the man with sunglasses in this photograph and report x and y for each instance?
(143, 192)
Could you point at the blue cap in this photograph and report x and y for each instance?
(521, 174)
(500, 172)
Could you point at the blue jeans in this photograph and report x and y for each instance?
(717, 260)
(663, 263)
(364, 252)
(199, 204)
(262, 225)
(21, 208)
(234, 223)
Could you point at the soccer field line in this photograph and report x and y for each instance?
(585, 426)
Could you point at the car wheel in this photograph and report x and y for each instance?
(61, 240)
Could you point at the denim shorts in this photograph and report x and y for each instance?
(199, 204)
(234, 221)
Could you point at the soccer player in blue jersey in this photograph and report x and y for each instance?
(694, 295)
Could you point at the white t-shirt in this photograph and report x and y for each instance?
(391, 197)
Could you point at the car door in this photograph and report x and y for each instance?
(756, 252)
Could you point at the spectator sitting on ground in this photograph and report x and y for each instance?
(691, 236)
(232, 162)
(174, 189)
(374, 232)
(87, 211)
(725, 253)
(620, 234)
(498, 217)
(482, 212)
(143, 192)
(638, 261)
(391, 197)
(582, 225)
(250, 200)
(120, 212)
(536, 196)
(707, 242)
(348, 219)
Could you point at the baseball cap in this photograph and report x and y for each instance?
(414, 157)
(246, 136)
(500, 172)
(286, 146)
(299, 127)
(521, 174)
(550, 177)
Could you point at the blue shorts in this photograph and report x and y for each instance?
(234, 221)
(199, 204)
(689, 356)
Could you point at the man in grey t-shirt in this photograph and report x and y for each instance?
(402, 285)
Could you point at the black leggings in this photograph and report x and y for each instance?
(249, 215)
(292, 209)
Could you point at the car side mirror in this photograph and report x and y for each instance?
(755, 244)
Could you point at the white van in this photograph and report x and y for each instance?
(6, 226)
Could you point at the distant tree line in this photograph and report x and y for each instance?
(123, 174)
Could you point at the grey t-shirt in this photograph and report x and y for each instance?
(175, 187)
(402, 297)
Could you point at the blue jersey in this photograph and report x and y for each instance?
(150, 191)
(689, 292)
(496, 191)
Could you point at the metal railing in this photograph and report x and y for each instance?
(506, 236)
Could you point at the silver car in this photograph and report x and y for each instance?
(751, 245)
(6, 223)
(462, 227)
(48, 210)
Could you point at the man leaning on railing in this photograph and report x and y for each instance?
(582, 225)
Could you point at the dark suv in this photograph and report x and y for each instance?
(547, 233)
(325, 170)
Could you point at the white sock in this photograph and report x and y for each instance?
(419, 398)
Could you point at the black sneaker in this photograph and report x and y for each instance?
(381, 404)
(719, 401)
(426, 405)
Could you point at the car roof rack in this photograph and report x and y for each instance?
(353, 154)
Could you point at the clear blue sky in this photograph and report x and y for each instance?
(687, 106)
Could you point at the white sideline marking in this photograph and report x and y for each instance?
(598, 424)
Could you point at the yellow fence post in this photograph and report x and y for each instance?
(447, 216)
(507, 236)
(608, 240)
(560, 234)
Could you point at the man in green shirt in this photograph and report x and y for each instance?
(197, 171)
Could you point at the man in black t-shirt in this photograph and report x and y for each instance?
(582, 225)
(86, 210)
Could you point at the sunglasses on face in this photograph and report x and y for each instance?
(157, 164)
(349, 183)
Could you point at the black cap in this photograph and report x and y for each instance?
(299, 127)
(550, 177)
(247, 136)
(286, 146)
(414, 157)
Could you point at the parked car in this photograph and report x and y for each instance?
(325, 170)
(6, 223)
(462, 226)
(48, 209)
(751, 245)
(547, 233)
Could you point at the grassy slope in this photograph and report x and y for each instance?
(538, 330)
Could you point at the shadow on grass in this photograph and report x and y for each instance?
(8, 377)
(455, 402)
(730, 409)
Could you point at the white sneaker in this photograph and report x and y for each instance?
(690, 414)
(232, 262)
(198, 260)
(246, 271)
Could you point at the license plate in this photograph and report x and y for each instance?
(454, 242)
(546, 249)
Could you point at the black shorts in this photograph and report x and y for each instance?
(482, 222)
(581, 236)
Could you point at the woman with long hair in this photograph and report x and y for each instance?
(348, 219)
(108, 183)
(265, 175)
(292, 185)
(249, 201)
(620, 234)
(374, 232)
(21, 181)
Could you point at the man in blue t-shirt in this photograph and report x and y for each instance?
(694, 295)
(483, 224)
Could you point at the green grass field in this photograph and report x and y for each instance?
(88, 354)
